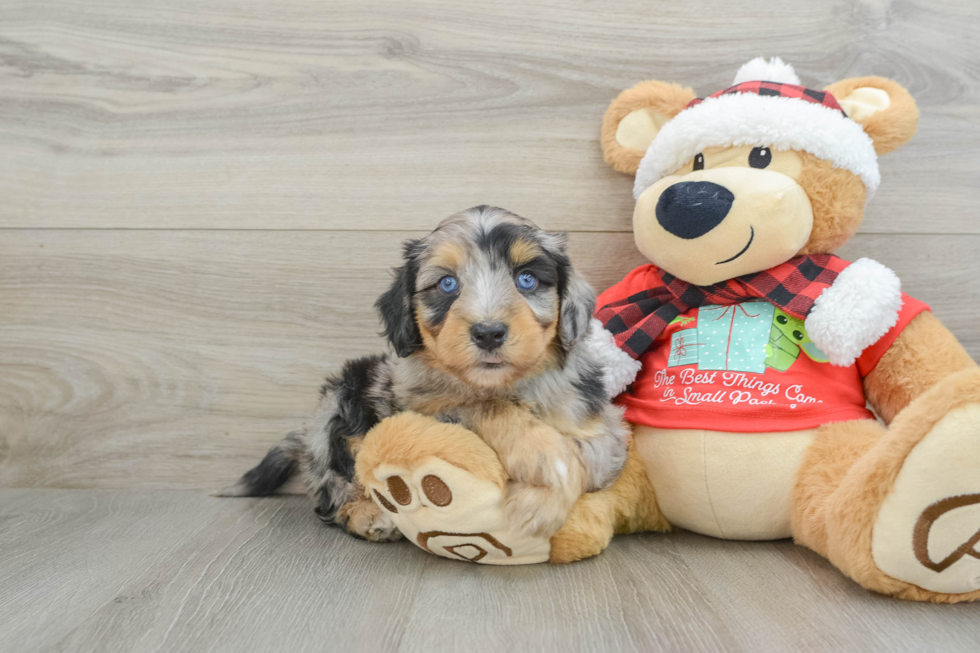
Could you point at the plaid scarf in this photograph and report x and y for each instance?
(636, 321)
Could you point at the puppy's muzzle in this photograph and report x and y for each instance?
(488, 336)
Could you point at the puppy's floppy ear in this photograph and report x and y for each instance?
(882, 107)
(577, 306)
(576, 295)
(634, 119)
(395, 305)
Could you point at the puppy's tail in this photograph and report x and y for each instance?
(276, 468)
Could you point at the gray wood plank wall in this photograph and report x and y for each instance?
(200, 199)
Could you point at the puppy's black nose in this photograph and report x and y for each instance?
(691, 209)
(488, 335)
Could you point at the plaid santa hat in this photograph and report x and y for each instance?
(766, 106)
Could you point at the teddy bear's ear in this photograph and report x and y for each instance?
(883, 107)
(634, 118)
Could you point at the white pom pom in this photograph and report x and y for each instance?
(774, 70)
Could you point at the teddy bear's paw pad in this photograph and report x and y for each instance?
(453, 513)
(433, 488)
(436, 485)
(927, 531)
(472, 547)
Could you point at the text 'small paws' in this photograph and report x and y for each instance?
(444, 489)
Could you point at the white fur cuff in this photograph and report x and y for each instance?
(856, 311)
(782, 123)
(618, 368)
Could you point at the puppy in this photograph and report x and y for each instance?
(491, 328)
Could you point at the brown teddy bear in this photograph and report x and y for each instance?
(760, 348)
(757, 350)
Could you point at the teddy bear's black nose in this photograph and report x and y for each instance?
(691, 209)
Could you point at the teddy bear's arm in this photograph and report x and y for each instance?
(923, 354)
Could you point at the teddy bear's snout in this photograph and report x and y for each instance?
(690, 209)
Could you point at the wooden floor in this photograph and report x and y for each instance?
(101, 570)
(200, 201)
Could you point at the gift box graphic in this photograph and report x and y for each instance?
(782, 351)
(734, 337)
(683, 348)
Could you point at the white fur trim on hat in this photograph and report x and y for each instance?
(782, 123)
(856, 311)
(774, 70)
(618, 368)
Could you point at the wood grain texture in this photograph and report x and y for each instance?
(159, 359)
(201, 199)
(171, 571)
(388, 115)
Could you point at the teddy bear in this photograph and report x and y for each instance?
(760, 349)
(756, 353)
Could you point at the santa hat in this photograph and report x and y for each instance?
(765, 107)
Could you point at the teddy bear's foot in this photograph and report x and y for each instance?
(898, 510)
(927, 532)
(444, 489)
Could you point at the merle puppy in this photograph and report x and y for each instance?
(491, 325)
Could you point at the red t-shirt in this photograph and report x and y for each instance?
(746, 367)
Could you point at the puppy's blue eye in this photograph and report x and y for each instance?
(527, 281)
(448, 284)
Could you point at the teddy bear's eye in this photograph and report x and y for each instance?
(781, 319)
(699, 161)
(798, 335)
(760, 157)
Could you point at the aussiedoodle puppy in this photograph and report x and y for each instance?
(490, 325)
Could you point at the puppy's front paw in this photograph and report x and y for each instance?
(536, 511)
(367, 521)
(556, 469)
